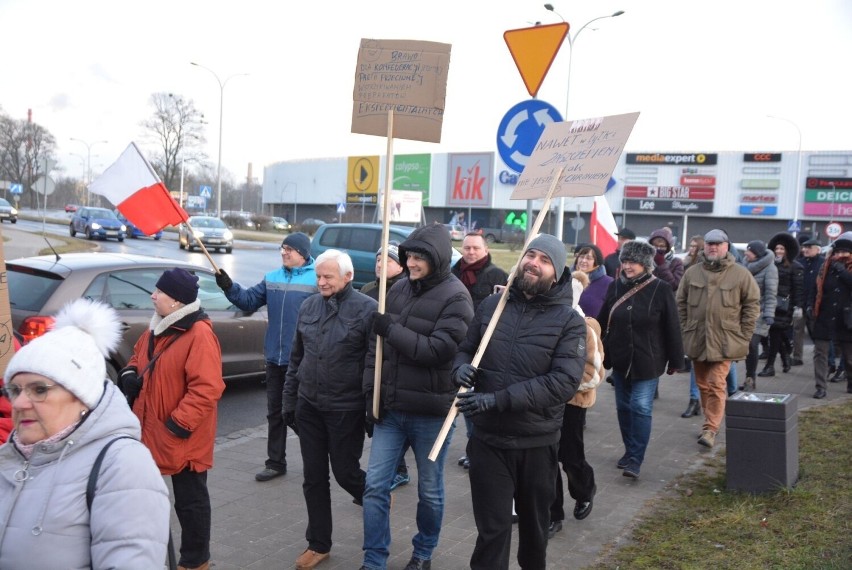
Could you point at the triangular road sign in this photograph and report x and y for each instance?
(534, 49)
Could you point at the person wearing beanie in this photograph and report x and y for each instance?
(425, 319)
(282, 291)
(829, 307)
(572, 454)
(533, 366)
(715, 295)
(611, 263)
(666, 266)
(761, 264)
(789, 297)
(66, 414)
(480, 276)
(642, 340)
(174, 380)
(589, 259)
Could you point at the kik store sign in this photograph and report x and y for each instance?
(470, 179)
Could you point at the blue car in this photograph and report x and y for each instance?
(97, 223)
(133, 231)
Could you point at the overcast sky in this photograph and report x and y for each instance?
(703, 75)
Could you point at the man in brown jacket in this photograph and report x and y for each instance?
(718, 303)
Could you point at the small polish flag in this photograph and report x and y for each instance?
(132, 185)
(603, 228)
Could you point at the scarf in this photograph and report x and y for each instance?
(26, 449)
(468, 270)
(821, 279)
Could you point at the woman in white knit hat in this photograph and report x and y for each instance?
(65, 411)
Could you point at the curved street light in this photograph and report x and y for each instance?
(571, 39)
(221, 108)
(89, 146)
(798, 169)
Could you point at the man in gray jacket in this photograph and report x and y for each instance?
(530, 369)
(323, 402)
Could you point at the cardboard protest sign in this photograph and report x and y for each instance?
(7, 347)
(407, 76)
(586, 149)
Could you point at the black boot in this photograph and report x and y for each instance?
(785, 363)
(692, 409)
(768, 370)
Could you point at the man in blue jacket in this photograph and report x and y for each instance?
(282, 291)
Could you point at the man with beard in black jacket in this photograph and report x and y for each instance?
(531, 368)
(426, 319)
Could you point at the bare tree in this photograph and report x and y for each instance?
(177, 130)
(24, 148)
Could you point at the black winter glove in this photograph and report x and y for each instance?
(368, 429)
(371, 419)
(381, 323)
(769, 321)
(465, 376)
(290, 421)
(472, 403)
(223, 280)
(129, 383)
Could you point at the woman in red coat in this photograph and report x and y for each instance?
(174, 381)
(6, 424)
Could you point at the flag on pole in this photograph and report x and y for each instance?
(131, 184)
(603, 228)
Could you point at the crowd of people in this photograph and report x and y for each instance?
(520, 357)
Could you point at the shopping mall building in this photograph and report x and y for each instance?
(752, 195)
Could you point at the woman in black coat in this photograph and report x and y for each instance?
(641, 340)
(791, 292)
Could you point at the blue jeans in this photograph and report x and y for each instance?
(389, 437)
(732, 382)
(634, 402)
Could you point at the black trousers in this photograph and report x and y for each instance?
(572, 455)
(753, 355)
(778, 342)
(337, 437)
(192, 506)
(276, 444)
(498, 476)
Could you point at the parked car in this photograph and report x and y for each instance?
(456, 231)
(133, 231)
(97, 223)
(40, 286)
(360, 241)
(209, 230)
(71, 208)
(8, 211)
(508, 233)
(281, 224)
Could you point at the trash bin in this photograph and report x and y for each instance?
(762, 435)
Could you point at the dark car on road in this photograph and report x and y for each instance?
(133, 231)
(97, 223)
(40, 286)
(209, 230)
(8, 212)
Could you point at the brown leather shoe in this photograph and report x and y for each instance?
(310, 559)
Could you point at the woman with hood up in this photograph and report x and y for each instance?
(666, 266)
(790, 295)
(761, 263)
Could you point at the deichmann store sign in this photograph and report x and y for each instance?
(828, 197)
(470, 179)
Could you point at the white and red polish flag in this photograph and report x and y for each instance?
(603, 228)
(133, 186)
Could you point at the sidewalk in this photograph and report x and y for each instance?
(262, 525)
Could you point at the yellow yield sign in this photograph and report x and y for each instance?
(534, 50)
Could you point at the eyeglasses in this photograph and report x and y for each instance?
(585, 257)
(36, 391)
(287, 249)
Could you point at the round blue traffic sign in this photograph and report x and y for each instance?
(520, 130)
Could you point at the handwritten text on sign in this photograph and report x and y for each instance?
(588, 149)
(406, 76)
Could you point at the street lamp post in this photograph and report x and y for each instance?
(89, 146)
(571, 40)
(221, 108)
(798, 168)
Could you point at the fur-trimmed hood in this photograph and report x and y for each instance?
(791, 245)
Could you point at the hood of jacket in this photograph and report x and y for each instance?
(434, 241)
(664, 233)
(791, 245)
(760, 263)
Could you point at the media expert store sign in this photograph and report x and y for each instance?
(413, 172)
(688, 186)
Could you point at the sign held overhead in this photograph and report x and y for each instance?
(586, 150)
(406, 76)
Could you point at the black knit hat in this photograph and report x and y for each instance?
(179, 284)
(757, 247)
(300, 242)
(638, 252)
(842, 245)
